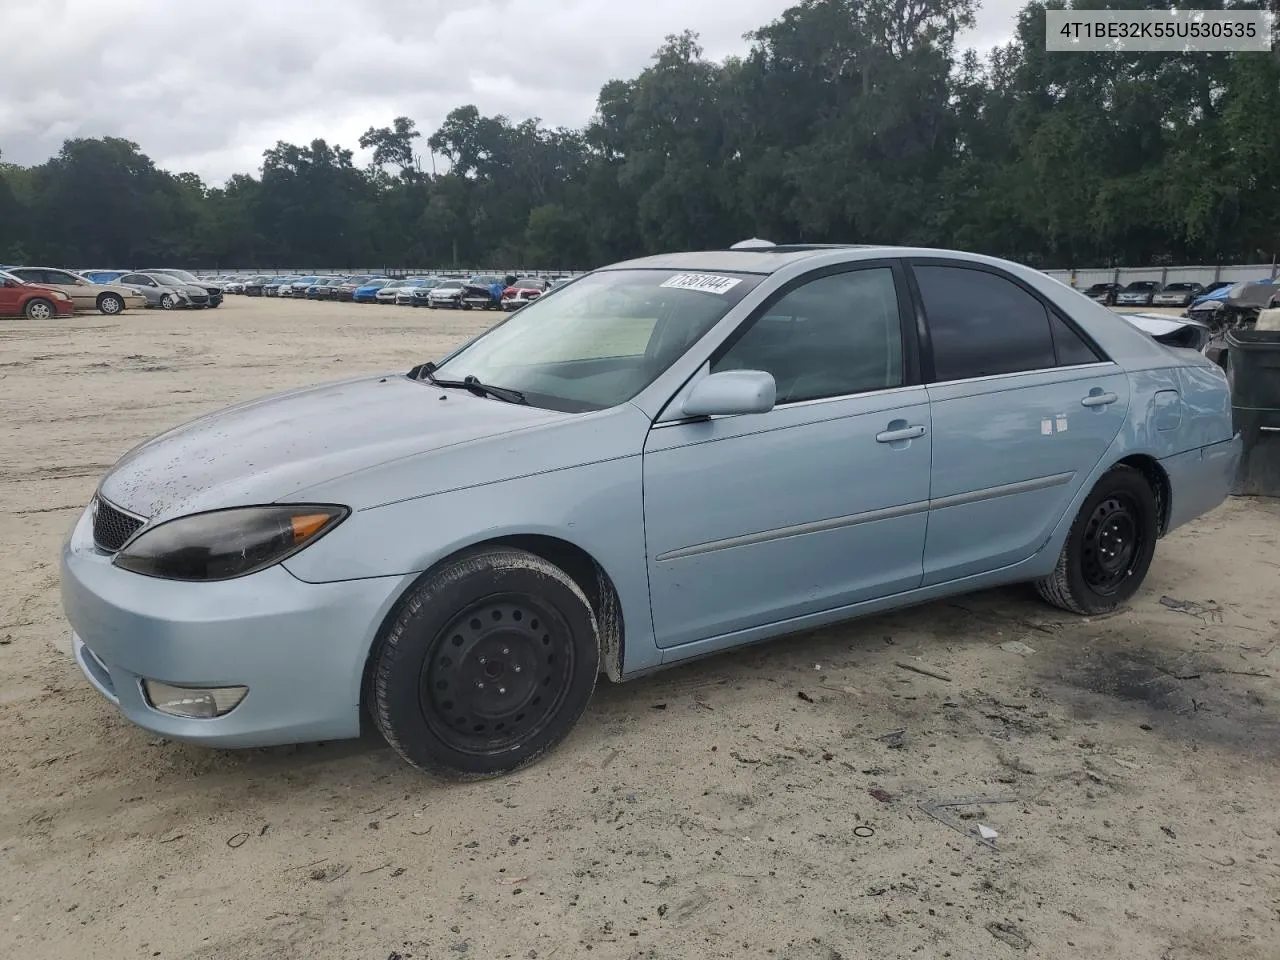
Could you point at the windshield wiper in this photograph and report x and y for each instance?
(427, 371)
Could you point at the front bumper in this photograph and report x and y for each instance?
(299, 647)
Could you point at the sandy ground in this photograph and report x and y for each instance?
(771, 803)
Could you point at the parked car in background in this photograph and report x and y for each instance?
(448, 293)
(232, 285)
(167, 292)
(1179, 294)
(416, 295)
(105, 298)
(368, 292)
(272, 287)
(320, 289)
(253, 285)
(298, 288)
(1137, 294)
(1219, 292)
(1104, 293)
(1240, 302)
(347, 289)
(21, 299)
(213, 291)
(483, 293)
(523, 291)
(103, 276)
(386, 295)
(463, 570)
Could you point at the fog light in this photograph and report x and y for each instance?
(200, 703)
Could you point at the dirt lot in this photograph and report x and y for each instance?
(770, 803)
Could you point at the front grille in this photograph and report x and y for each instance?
(112, 526)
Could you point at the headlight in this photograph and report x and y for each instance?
(225, 544)
(59, 295)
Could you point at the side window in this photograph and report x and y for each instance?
(1071, 349)
(982, 325)
(833, 336)
(27, 276)
(58, 276)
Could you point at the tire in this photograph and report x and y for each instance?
(1109, 548)
(40, 309)
(110, 304)
(510, 631)
(168, 302)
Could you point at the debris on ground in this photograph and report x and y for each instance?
(1008, 933)
(1209, 614)
(986, 833)
(921, 668)
(894, 739)
(1016, 646)
(884, 796)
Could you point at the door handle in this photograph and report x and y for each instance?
(906, 433)
(1099, 399)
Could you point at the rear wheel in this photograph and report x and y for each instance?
(39, 309)
(487, 665)
(1109, 548)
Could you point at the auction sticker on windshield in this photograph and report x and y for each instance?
(706, 282)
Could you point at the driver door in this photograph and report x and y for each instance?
(819, 503)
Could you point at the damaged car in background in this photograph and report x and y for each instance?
(605, 482)
(1232, 308)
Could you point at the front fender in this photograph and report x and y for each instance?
(597, 508)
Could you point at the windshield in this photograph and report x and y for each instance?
(602, 342)
(182, 275)
(530, 282)
(1142, 285)
(450, 285)
(1177, 287)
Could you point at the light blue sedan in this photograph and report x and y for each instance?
(663, 459)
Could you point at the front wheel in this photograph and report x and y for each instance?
(168, 301)
(110, 304)
(1109, 548)
(488, 664)
(40, 310)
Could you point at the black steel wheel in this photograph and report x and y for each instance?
(1111, 544)
(1109, 548)
(486, 664)
(501, 670)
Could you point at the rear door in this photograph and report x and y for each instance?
(1023, 405)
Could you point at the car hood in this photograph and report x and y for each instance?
(268, 449)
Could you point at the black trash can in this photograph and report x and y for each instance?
(1253, 369)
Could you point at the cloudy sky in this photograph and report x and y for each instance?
(207, 85)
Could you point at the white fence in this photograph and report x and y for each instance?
(1186, 274)
(1230, 273)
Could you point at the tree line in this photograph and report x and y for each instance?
(846, 121)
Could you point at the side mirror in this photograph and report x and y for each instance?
(731, 393)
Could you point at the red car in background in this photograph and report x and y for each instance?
(30, 300)
(524, 290)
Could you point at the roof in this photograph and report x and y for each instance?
(763, 260)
